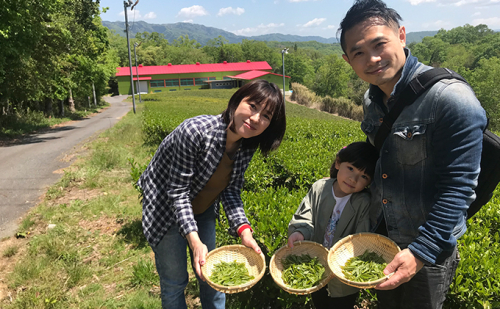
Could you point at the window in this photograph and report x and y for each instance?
(187, 82)
(172, 82)
(200, 81)
(226, 77)
(156, 83)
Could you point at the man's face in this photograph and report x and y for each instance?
(376, 54)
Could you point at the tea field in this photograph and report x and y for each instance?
(275, 186)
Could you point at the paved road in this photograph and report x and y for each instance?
(27, 166)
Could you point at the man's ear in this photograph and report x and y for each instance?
(346, 58)
(402, 36)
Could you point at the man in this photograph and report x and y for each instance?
(428, 167)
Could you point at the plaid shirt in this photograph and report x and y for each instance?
(180, 169)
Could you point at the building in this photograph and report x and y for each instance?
(196, 76)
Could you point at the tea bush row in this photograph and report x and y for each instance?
(275, 186)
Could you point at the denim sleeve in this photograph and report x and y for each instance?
(456, 147)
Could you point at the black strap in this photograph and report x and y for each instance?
(410, 93)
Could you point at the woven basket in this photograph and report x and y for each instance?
(355, 245)
(301, 247)
(255, 263)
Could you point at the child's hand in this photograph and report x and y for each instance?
(296, 236)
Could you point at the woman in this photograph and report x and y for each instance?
(198, 165)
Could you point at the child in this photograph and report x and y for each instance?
(198, 165)
(334, 208)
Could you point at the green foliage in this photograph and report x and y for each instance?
(144, 274)
(10, 251)
(276, 185)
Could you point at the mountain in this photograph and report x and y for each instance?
(418, 36)
(203, 34)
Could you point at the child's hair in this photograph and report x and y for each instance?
(362, 155)
(362, 10)
(261, 91)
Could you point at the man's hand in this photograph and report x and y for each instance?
(200, 252)
(296, 236)
(404, 265)
(248, 241)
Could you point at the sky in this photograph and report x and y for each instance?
(302, 17)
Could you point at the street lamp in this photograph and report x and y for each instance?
(126, 5)
(283, 52)
(137, 71)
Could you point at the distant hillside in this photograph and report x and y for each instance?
(203, 34)
(418, 36)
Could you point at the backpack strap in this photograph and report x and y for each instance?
(410, 93)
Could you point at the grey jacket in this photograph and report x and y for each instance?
(313, 214)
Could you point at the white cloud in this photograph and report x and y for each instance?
(230, 10)
(136, 15)
(330, 27)
(189, 21)
(417, 2)
(437, 25)
(313, 23)
(477, 3)
(492, 22)
(192, 11)
(260, 29)
(476, 14)
(150, 15)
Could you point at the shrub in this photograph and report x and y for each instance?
(303, 96)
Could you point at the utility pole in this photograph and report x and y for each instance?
(283, 52)
(137, 71)
(126, 4)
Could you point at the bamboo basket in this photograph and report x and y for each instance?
(255, 263)
(301, 247)
(355, 245)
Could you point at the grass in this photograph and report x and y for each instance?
(25, 122)
(96, 255)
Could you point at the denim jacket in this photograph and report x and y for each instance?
(429, 164)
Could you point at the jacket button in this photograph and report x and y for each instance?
(409, 135)
(381, 120)
(385, 201)
(384, 176)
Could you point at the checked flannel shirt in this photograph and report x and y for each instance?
(180, 169)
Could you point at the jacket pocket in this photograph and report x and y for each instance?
(410, 142)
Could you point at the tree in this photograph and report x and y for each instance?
(332, 78)
(484, 81)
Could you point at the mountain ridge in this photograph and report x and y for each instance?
(203, 34)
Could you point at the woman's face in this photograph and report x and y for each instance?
(251, 119)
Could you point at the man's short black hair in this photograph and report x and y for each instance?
(363, 10)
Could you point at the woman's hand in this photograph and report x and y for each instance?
(296, 236)
(200, 252)
(248, 241)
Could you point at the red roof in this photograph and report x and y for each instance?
(143, 78)
(195, 68)
(253, 74)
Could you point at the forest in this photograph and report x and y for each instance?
(57, 53)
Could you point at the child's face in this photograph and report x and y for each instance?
(349, 179)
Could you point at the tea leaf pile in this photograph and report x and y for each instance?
(301, 272)
(230, 274)
(364, 268)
